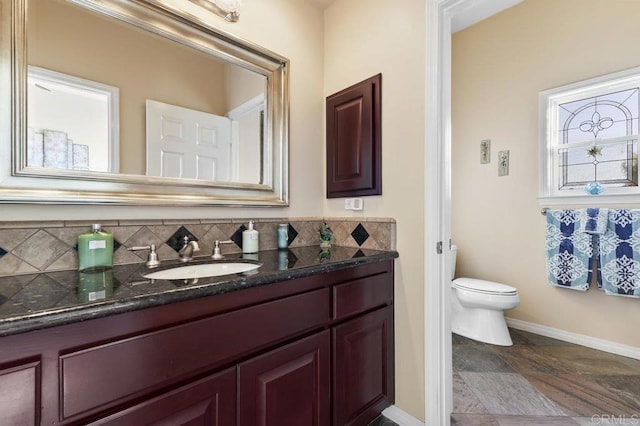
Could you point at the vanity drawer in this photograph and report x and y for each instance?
(360, 295)
(102, 376)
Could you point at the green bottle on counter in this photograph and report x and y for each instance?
(95, 249)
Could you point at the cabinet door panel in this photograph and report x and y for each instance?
(354, 140)
(20, 395)
(360, 295)
(363, 367)
(288, 386)
(207, 402)
(142, 364)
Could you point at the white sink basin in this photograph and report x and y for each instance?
(202, 270)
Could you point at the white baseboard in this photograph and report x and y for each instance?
(401, 417)
(580, 339)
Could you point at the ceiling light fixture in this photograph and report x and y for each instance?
(228, 9)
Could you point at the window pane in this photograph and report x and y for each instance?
(579, 175)
(575, 135)
(616, 129)
(605, 116)
(617, 165)
(626, 98)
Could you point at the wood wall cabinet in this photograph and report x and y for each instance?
(354, 157)
(314, 351)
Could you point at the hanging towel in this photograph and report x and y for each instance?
(569, 251)
(619, 254)
(593, 220)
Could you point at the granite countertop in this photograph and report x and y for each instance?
(37, 301)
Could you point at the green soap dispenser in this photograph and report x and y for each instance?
(95, 249)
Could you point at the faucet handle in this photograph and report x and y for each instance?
(216, 249)
(152, 257)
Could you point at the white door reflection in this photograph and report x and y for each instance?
(184, 143)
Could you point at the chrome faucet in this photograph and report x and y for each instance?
(186, 252)
(217, 255)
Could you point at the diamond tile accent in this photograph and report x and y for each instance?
(357, 254)
(292, 234)
(292, 259)
(360, 234)
(237, 236)
(176, 241)
(2, 252)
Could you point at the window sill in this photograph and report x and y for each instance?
(589, 200)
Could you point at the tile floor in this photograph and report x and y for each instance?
(542, 381)
(383, 421)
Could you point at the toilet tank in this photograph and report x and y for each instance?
(454, 254)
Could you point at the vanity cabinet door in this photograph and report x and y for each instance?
(208, 402)
(287, 386)
(20, 394)
(363, 368)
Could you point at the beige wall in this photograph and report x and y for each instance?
(68, 39)
(499, 67)
(291, 28)
(363, 38)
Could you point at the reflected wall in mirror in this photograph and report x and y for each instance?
(190, 136)
(135, 103)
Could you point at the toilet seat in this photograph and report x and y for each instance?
(484, 287)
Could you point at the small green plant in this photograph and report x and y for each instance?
(325, 232)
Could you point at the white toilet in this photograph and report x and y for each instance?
(477, 307)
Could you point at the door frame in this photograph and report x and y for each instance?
(437, 161)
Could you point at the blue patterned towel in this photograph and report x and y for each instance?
(619, 252)
(569, 251)
(593, 220)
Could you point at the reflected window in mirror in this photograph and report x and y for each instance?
(72, 122)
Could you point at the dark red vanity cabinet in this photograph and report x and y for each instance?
(363, 367)
(314, 351)
(287, 386)
(210, 401)
(20, 394)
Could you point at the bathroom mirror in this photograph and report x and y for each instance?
(138, 102)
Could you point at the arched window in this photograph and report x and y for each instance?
(589, 133)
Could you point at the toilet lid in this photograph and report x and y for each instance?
(482, 286)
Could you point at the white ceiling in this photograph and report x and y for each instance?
(478, 10)
(474, 11)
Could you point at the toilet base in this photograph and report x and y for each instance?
(488, 326)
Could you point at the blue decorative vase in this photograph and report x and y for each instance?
(593, 188)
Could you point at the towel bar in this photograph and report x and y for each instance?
(544, 210)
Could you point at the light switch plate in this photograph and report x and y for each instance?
(353, 204)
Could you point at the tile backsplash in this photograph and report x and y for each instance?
(32, 247)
